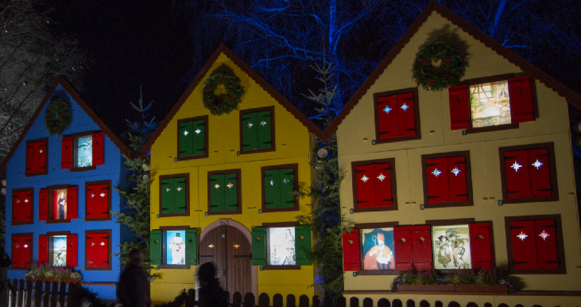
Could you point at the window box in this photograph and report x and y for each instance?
(224, 192)
(22, 206)
(397, 116)
(58, 249)
(281, 246)
(58, 204)
(82, 151)
(98, 250)
(98, 201)
(174, 195)
(21, 251)
(174, 247)
(257, 130)
(278, 183)
(447, 180)
(37, 157)
(374, 185)
(193, 138)
(53, 279)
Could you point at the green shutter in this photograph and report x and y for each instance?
(231, 192)
(185, 136)
(258, 246)
(264, 129)
(217, 192)
(249, 132)
(272, 188)
(180, 189)
(287, 185)
(191, 246)
(303, 244)
(198, 137)
(155, 247)
(167, 196)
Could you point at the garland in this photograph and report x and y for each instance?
(433, 78)
(232, 97)
(58, 117)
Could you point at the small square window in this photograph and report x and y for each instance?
(397, 116)
(374, 185)
(224, 192)
(174, 247)
(21, 251)
(278, 184)
(447, 180)
(451, 245)
(257, 130)
(37, 157)
(98, 249)
(281, 246)
(490, 104)
(193, 138)
(58, 251)
(58, 204)
(82, 151)
(98, 200)
(22, 204)
(377, 248)
(174, 195)
(175, 251)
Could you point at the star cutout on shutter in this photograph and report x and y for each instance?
(386, 110)
(25, 245)
(229, 185)
(381, 177)
(263, 123)
(404, 107)
(92, 243)
(17, 246)
(364, 178)
(217, 186)
(456, 171)
(198, 131)
(272, 182)
(92, 195)
(102, 243)
(436, 172)
(480, 237)
(186, 132)
(516, 166)
(167, 189)
(286, 181)
(211, 246)
(18, 201)
(102, 194)
(179, 189)
(250, 125)
(40, 151)
(26, 200)
(537, 164)
(522, 236)
(544, 235)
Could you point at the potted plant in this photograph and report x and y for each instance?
(484, 281)
(44, 273)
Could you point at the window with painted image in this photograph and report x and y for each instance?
(175, 247)
(82, 151)
(490, 104)
(60, 204)
(59, 251)
(281, 246)
(378, 249)
(451, 246)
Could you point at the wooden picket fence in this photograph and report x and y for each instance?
(26, 294)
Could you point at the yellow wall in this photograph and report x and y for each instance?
(293, 146)
(357, 131)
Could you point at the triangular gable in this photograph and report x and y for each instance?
(252, 74)
(60, 80)
(571, 96)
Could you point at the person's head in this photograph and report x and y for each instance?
(380, 239)
(206, 273)
(135, 257)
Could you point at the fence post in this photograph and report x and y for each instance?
(46, 300)
(29, 293)
(290, 301)
(62, 293)
(21, 293)
(304, 301)
(263, 300)
(328, 301)
(367, 302)
(277, 300)
(13, 295)
(249, 300)
(354, 302)
(37, 293)
(71, 292)
(54, 294)
(316, 302)
(237, 299)
(191, 298)
(341, 301)
(385, 303)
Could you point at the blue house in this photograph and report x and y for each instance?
(60, 195)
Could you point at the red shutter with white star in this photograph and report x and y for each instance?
(40, 157)
(422, 248)
(72, 202)
(98, 148)
(17, 201)
(539, 173)
(351, 257)
(365, 186)
(72, 250)
(405, 115)
(16, 252)
(481, 245)
(382, 180)
(91, 248)
(546, 244)
(402, 242)
(437, 180)
(459, 99)
(522, 106)
(67, 153)
(26, 255)
(517, 174)
(97, 197)
(457, 179)
(388, 118)
(30, 158)
(43, 250)
(43, 205)
(524, 249)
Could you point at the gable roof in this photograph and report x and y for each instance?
(61, 80)
(252, 74)
(571, 96)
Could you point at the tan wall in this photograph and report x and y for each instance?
(356, 132)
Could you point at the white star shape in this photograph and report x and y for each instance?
(364, 178)
(25, 245)
(230, 185)
(522, 236)
(386, 110)
(285, 180)
(456, 171)
(198, 131)
(186, 132)
(436, 172)
(516, 166)
(18, 201)
(537, 164)
(26, 200)
(250, 125)
(544, 235)
(381, 177)
(405, 107)
(102, 194)
(217, 186)
(263, 123)
(102, 243)
(179, 189)
(92, 195)
(167, 189)
(272, 182)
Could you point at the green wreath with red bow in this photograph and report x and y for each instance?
(438, 66)
(227, 102)
(58, 117)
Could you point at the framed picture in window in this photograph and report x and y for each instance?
(281, 246)
(175, 248)
(451, 247)
(377, 249)
(60, 204)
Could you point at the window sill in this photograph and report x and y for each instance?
(97, 269)
(398, 139)
(492, 128)
(97, 219)
(386, 208)
(192, 157)
(243, 152)
(530, 199)
(57, 221)
(294, 208)
(187, 213)
(174, 267)
(449, 204)
(35, 174)
(225, 212)
(21, 223)
(281, 267)
(82, 169)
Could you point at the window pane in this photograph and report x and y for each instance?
(59, 251)
(176, 249)
(60, 204)
(378, 249)
(281, 246)
(85, 151)
(451, 247)
(490, 104)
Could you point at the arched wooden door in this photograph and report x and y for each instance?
(230, 251)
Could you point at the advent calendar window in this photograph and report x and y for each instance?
(281, 245)
(397, 116)
(58, 204)
(98, 200)
(58, 249)
(447, 180)
(193, 138)
(174, 193)
(22, 204)
(98, 249)
(174, 247)
(37, 157)
(278, 183)
(21, 251)
(257, 130)
(374, 185)
(224, 192)
(535, 245)
(82, 151)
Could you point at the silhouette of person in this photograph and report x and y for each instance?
(133, 287)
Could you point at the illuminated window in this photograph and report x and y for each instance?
(281, 246)
(59, 250)
(490, 104)
(378, 249)
(175, 247)
(60, 204)
(84, 151)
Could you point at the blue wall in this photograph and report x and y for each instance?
(112, 170)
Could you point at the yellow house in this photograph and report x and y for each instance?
(221, 189)
(476, 176)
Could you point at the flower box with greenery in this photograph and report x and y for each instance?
(48, 273)
(484, 281)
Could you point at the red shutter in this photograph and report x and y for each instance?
(72, 202)
(91, 250)
(539, 173)
(405, 115)
(97, 198)
(103, 250)
(43, 250)
(522, 106)
(517, 174)
(402, 242)
(41, 159)
(459, 107)
(382, 179)
(17, 207)
(437, 172)
(26, 256)
(481, 246)
(16, 252)
(388, 121)
(546, 244)
(524, 250)
(30, 158)
(351, 258)
(67, 153)
(98, 148)
(43, 205)
(457, 179)
(365, 186)
(26, 206)
(422, 248)
(72, 250)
